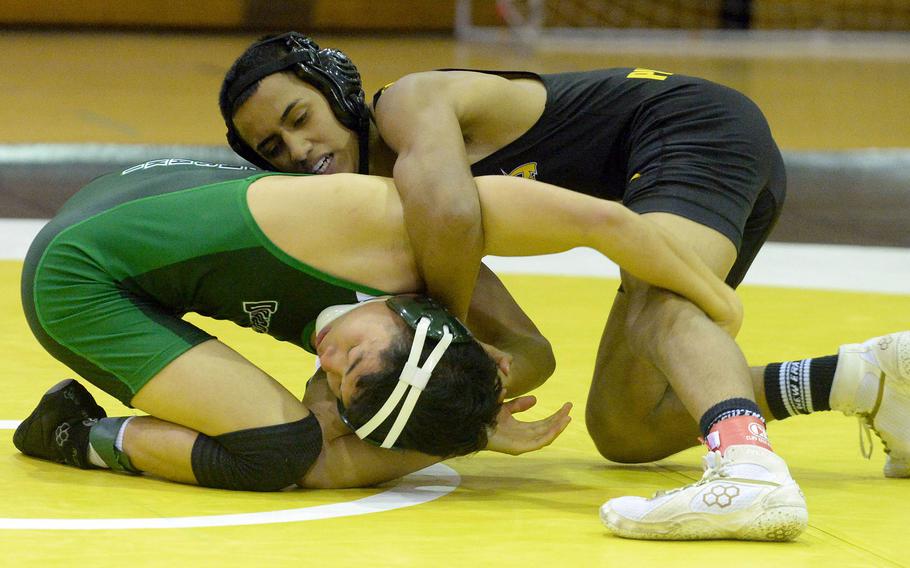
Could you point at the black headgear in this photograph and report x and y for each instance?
(329, 70)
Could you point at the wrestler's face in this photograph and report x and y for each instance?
(289, 122)
(350, 346)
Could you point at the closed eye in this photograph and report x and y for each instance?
(273, 151)
(354, 364)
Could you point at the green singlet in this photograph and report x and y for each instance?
(107, 281)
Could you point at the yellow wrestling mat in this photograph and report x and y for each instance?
(487, 510)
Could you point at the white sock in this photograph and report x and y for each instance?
(95, 459)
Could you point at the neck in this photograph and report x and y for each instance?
(382, 158)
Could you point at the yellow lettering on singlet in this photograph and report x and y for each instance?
(648, 74)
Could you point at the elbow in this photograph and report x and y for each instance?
(542, 365)
(546, 358)
(461, 221)
(456, 221)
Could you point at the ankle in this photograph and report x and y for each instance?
(106, 444)
(738, 431)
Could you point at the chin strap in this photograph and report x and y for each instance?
(412, 381)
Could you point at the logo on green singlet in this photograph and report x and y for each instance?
(260, 314)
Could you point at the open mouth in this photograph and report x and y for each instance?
(323, 164)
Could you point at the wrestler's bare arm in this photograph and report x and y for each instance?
(348, 225)
(419, 118)
(525, 217)
(352, 227)
(496, 319)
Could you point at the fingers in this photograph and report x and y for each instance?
(511, 436)
(558, 421)
(543, 432)
(561, 420)
(555, 430)
(520, 404)
(563, 412)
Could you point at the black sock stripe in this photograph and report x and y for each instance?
(728, 409)
(772, 392)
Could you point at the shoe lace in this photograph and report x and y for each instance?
(867, 426)
(866, 430)
(865, 437)
(714, 469)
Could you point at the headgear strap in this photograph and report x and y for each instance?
(413, 380)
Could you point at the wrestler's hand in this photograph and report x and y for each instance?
(319, 399)
(511, 436)
(734, 319)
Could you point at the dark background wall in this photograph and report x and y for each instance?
(439, 15)
(365, 15)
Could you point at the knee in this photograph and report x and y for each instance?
(621, 438)
(258, 459)
(610, 441)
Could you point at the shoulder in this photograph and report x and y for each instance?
(437, 87)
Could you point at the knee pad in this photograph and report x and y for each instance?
(258, 459)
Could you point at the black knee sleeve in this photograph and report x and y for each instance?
(258, 459)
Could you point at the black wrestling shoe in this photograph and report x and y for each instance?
(57, 430)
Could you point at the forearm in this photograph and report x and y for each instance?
(442, 217)
(531, 360)
(496, 319)
(706, 290)
(348, 461)
(651, 254)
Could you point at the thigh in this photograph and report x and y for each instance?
(632, 414)
(214, 390)
(146, 356)
(761, 222)
(713, 247)
(113, 338)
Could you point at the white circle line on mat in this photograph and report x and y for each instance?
(417, 488)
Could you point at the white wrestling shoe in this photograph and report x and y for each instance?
(872, 381)
(746, 494)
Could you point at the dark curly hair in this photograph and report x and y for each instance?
(254, 57)
(452, 415)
